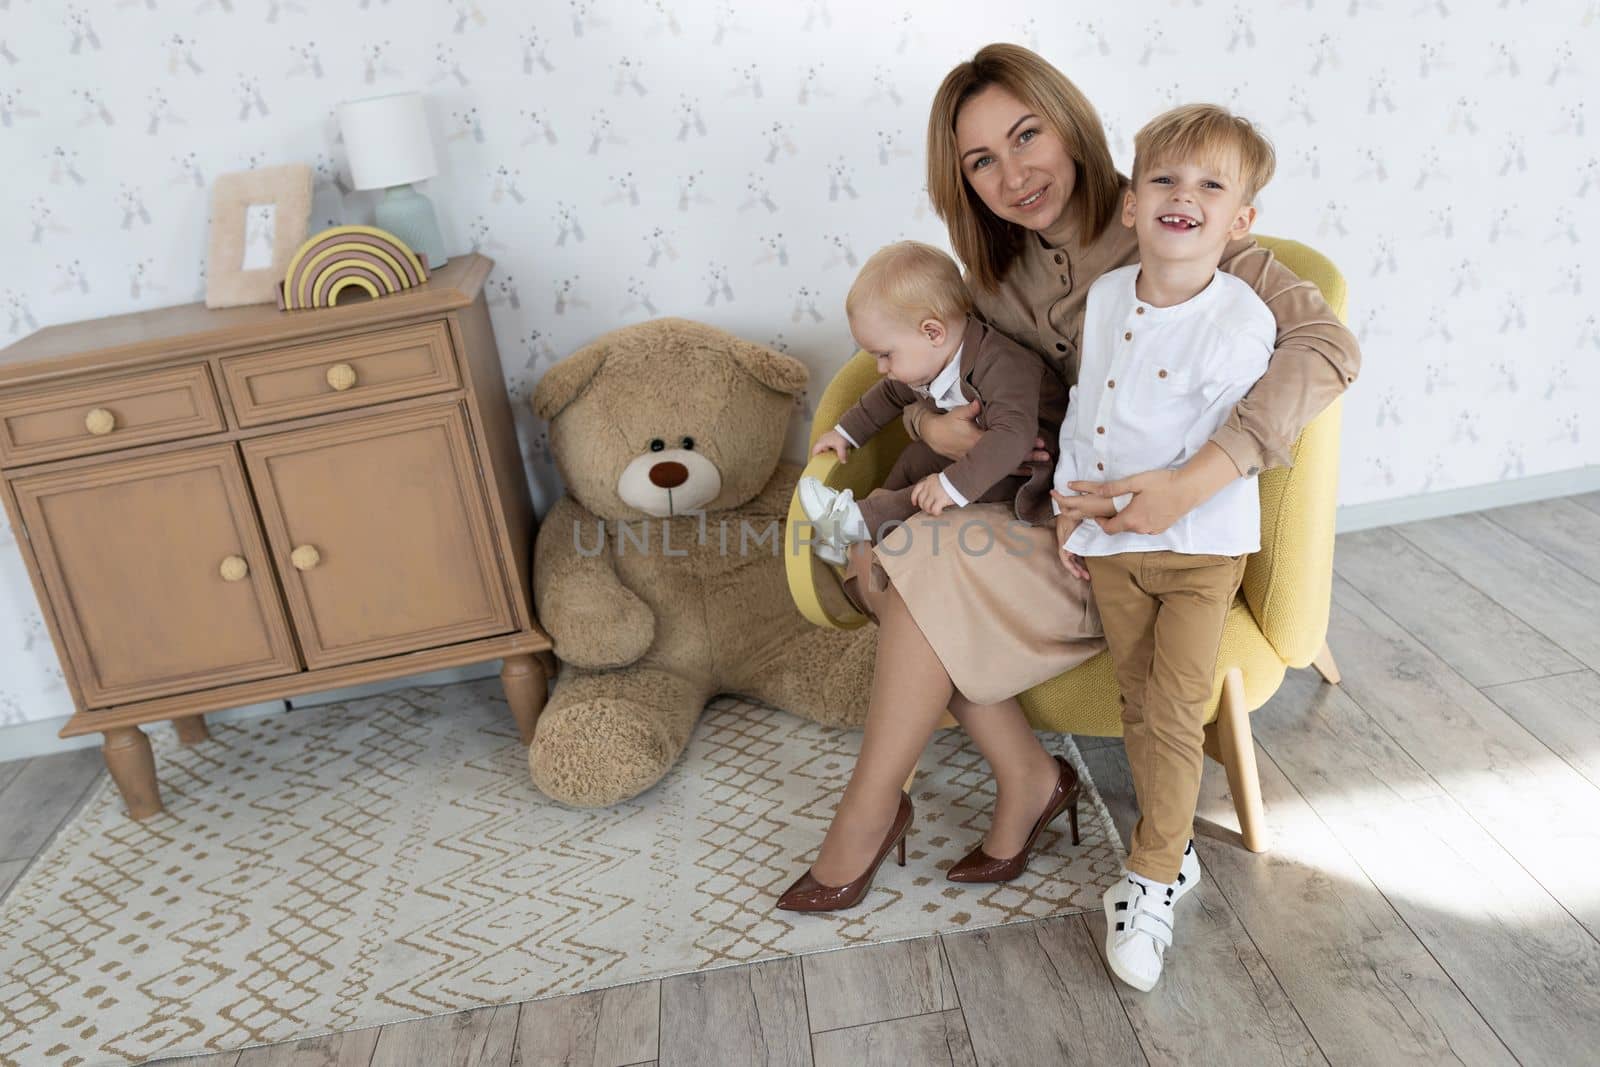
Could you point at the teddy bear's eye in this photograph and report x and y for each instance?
(688, 442)
(657, 444)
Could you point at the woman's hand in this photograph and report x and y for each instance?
(953, 434)
(1161, 498)
(1082, 506)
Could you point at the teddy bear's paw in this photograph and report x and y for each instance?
(598, 752)
(609, 628)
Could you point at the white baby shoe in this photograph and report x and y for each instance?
(1140, 921)
(836, 517)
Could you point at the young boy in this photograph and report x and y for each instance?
(1170, 345)
(910, 309)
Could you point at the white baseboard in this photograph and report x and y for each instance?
(1470, 498)
(39, 738)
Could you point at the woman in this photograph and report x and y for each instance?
(1020, 172)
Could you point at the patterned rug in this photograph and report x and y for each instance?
(387, 859)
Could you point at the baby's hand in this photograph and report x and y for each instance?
(832, 441)
(929, 495)
(1065, 524)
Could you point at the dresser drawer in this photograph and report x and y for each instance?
(352, 372)
(79, 418)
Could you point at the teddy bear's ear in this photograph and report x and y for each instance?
(563, 382)
(776, 371)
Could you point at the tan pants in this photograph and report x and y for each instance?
(1163, 614)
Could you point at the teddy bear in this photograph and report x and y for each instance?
(660, 574)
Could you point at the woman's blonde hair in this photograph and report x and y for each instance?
(911, 281)
(1210, 135)
(986, 243)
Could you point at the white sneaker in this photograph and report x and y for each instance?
(829, 553)
(1139, 921)
(1138, 932)
(1188, 874)
(836, 517)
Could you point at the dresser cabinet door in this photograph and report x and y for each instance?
(381, 534)
(157, 574)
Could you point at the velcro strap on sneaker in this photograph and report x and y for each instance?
(1146, 919)
(835, 519)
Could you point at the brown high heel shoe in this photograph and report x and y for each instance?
(808, 894)
(979, 866)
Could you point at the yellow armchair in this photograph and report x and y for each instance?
(1278, 621)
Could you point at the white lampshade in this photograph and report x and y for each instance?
(387, 140)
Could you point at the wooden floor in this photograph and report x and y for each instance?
(1432, 895)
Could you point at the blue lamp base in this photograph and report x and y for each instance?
(408, 215)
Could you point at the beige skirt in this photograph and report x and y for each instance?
(991, 597)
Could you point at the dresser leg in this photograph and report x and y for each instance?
(191, 729)
(524, 680)
(133, 768)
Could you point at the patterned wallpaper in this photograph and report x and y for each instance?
(735, 161)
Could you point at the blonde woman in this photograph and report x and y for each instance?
(1020, 172)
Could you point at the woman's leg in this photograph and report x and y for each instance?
(910, 691)
(1025, 774)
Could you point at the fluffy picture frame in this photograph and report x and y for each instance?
(258, 219)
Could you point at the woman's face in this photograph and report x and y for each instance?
(1013, 159)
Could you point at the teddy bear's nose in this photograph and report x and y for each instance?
(669, 475)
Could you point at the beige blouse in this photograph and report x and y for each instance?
(1041, 304)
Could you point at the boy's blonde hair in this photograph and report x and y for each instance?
(911, 281)
(1208, 134)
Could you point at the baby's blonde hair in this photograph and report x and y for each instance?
(911, 281)
(1208, 134)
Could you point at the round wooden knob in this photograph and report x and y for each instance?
(305, 557)
(341, 376)
(234, 568)
(100, 422)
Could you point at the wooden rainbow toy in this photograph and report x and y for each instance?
(361, 257)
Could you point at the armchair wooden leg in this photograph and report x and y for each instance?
(1228, 742)
(1325, 665)
(191, 729)
(524, 680)
(133, 768)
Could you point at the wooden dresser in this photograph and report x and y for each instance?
(218, 507)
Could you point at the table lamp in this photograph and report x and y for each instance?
(389, 147)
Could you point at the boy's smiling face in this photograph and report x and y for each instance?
(1188, 211)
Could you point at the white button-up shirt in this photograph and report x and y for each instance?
(1154, 383)
(946, 392)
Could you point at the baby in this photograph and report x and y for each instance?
(910, 309)
(1170, 345)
